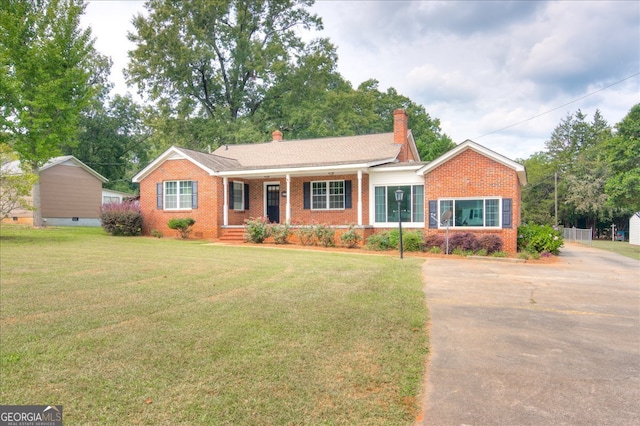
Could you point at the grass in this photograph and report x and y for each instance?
(620, 247)
(131, 330)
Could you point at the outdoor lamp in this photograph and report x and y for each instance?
(399, 194)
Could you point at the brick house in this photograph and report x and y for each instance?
(339, 181)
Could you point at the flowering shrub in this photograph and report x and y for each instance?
(122, 218)
(539, 239)
(256, 229)
(351, 238)
(279, 232)
(182, 225)
(324, 235)
(305, 235)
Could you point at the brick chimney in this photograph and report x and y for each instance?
(400, 133)
(277, 135)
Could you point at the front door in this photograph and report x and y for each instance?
(273, 203)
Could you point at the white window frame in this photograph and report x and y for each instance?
(484, 212)
(238, 184)
(387, 201)
(178, 195)
(327, 195)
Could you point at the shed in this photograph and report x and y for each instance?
(634, 229)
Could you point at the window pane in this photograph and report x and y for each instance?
(336, 194)
(492, 212)
(171, 195)
(381, 204)
(405, 205)
(185, 194)
(446, 205)
(319, 195)
(417, 203)
(469, 213)
(238, 196)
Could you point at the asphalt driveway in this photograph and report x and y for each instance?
(534, 344)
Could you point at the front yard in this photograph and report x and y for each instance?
(132, 330)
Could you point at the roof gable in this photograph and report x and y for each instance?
(469, 144)
(65, 160)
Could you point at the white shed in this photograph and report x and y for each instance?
(634, 229)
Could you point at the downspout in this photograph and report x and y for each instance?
(288, 208)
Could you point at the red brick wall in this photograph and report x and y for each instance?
(208, 219)
(470, 174)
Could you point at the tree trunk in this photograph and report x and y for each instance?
(37, 211)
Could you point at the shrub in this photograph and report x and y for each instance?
(490, 243)
(324, 235)
(462, 241)
(351, 238)
(304, 234)
(378, 242)
(122, 219)
(539, 239)
(279, 232)
(156, 233)
(499, 254)
(182, 225)
(435, 250)
(256, 229)
(411, 240)
(434, 240)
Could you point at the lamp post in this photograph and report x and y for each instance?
(399, 195)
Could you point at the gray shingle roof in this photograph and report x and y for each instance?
(310, 152)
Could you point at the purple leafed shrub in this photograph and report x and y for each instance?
(122, 218)
(434, 240)
(490, 242)
(463, 241)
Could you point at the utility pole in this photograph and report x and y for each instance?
(556, 196)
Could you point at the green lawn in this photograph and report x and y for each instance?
(620, 247)
(160, 331)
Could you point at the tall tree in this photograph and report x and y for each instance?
(538, 196)
(215, 59)
(622, 153)
(15, 184)
(49, 71)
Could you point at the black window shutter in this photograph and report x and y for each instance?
(307, 195)
(506, 212)
(231, 195)
(246, 196)
(194, 194)
(347, 194)
(433, 214)
(159, 196)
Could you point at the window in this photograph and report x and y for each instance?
(411, 207)
(237, 192)
(472, 212)
(328, 195)
(178, 195)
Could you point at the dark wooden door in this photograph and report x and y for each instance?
(273, 203)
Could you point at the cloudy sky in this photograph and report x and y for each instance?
(503, 74)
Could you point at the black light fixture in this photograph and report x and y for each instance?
(399, 195)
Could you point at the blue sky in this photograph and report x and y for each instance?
(480, 67)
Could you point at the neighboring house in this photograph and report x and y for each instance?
(339, 181)
(70, 194)
(634, 229)
(111, 196)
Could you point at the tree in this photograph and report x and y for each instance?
(15, 184)
(622, 153)
(113, 140)
(199, 58)
(538, 196)
(49, 71)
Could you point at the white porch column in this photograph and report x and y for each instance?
(359, 197)
(225, 202)
(288, 209)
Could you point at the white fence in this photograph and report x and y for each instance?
(582, 236)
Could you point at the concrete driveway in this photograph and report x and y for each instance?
(534, 344)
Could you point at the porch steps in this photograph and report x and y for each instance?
(232, 235)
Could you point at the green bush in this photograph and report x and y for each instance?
(279, 232)
(537, 239)
(256, 229)
(304, 234)
(325, 235)
(121, 219)
(351, 238)
(378, 242)
(411, 240)
(182, 225)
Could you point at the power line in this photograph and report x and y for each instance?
(558, 107)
